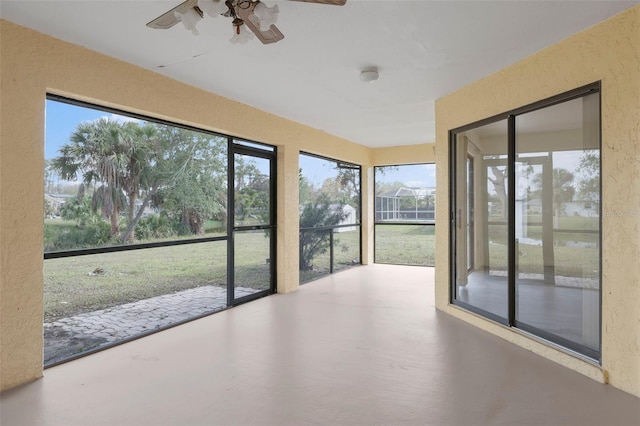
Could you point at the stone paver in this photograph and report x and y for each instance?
(68, 336)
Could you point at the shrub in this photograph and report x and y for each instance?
(93, 235)
(314, 215)
(156, 226)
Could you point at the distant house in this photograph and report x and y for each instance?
(57, 200)
(350, 217)
(389, 206)
(581, 208)
(349, 213)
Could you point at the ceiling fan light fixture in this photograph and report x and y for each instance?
(240, 34)
(213, 8)
(267, 16)
(369, 75)
(255, 18)
(189, 19)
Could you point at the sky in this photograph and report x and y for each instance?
(412, 176)
(62, 119)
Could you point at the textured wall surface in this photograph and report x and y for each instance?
(610, 52)
(406, 154)
(33, 65)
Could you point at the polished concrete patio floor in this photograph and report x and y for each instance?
(365, 346)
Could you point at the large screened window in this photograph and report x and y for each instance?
(141, 229)
(329, 216)
(405, 214)
(525, 219)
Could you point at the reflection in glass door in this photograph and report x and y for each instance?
(558, 224)
(470, 214)
(526, 217)
(252, 242)
(481, 220)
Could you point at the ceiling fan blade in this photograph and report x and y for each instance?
(272, 35)
(331, 2)
(168, 19)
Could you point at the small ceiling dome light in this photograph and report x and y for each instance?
(368, 75)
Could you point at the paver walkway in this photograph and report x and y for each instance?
(91, 330)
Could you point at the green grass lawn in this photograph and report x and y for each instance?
(74, 285)
(86, 283)
(78, 284)
(346, 254)
(405, 244)
(569, 261)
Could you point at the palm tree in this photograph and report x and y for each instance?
(113, 156)
(138, 145)
(563, 191)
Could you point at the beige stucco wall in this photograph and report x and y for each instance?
(33, 64)
(609, 52)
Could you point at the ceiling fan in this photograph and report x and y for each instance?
(251, 14)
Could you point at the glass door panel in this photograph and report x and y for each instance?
(558, 253)
(481, 219)
(252, 189)
(253, 231)
(252, 268)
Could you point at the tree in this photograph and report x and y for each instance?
(499, 185)
(348, 180)
(316, 242)
(140, 150)
(306, 189)
(104, 153)
(562, 189)
(49, 174)
(78, 209)
(589, 173)
(133, 166)
(251, 189)
(190, 177)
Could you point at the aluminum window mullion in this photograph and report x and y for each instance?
(231, 173)
(511, 223)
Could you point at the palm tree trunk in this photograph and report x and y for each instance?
(114, 216)
(131, 209)
(128, 233)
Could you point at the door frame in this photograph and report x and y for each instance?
(269, 153)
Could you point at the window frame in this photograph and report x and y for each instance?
(233, 145)
(377, 222)
(332, 228)
(561, 343)
(232, 141)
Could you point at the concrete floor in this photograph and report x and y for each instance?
(364, 346)
(568, 312)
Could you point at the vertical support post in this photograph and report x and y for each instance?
(511, 215)
(548, 214)
(331, 250)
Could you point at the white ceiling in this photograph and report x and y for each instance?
(423, 50)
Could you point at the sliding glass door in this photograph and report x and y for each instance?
(525, 220)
